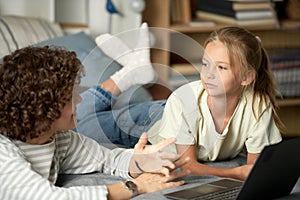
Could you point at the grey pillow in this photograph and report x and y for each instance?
(98, 66)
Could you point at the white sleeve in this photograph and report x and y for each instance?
(174, 122)
(85, 155)
(19, 181)
(263, 133)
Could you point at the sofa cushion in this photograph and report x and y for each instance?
(17, 32)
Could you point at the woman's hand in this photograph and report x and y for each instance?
(151, 159)
(152, 182)
(149, 182)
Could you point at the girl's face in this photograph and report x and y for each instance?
(216, 74)
(67, 120)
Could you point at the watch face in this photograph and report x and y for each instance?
(131, 185)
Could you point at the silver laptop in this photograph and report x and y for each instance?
(273, 175)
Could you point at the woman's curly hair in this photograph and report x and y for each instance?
(35, 83)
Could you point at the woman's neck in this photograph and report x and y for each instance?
(42, 139)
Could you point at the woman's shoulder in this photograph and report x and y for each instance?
(4, 139)
(8, 148)
(69, 136)
(65, 136)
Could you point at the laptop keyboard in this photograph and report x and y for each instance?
(230, 194)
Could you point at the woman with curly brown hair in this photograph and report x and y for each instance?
(37, 112)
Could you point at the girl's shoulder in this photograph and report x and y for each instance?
(250, 100)
(189, 90)
(185, 98)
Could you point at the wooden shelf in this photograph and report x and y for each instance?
(288, 102)
(196, 29)
(285, 25)
(290, 24)
(185, 28)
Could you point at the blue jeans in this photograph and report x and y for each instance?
(97, 118)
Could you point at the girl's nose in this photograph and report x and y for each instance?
(210, 72)
(210, 75)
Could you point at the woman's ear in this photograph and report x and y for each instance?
(248, 78)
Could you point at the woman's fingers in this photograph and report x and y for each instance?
(150, 182)
(178, 174)
(141, 143)
(170, 166)
(173, 184)
(174, 175)
(141, 147)
(181, 162)
(151, 159)
(165, 171)
(169, 156)
(159, 146)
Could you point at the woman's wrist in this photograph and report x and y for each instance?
(120, 191)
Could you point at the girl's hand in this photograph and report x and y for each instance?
(243, 171)
(151, 159)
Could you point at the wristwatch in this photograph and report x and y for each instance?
(130, 185)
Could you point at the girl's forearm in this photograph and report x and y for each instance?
(198, 168)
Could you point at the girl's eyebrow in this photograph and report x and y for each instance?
(222, 62)
(207, 59)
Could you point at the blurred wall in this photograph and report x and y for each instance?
(89, 12)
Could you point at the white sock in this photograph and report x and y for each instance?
(137, 68)
(113, 46)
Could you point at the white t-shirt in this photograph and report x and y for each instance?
(187, 117)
